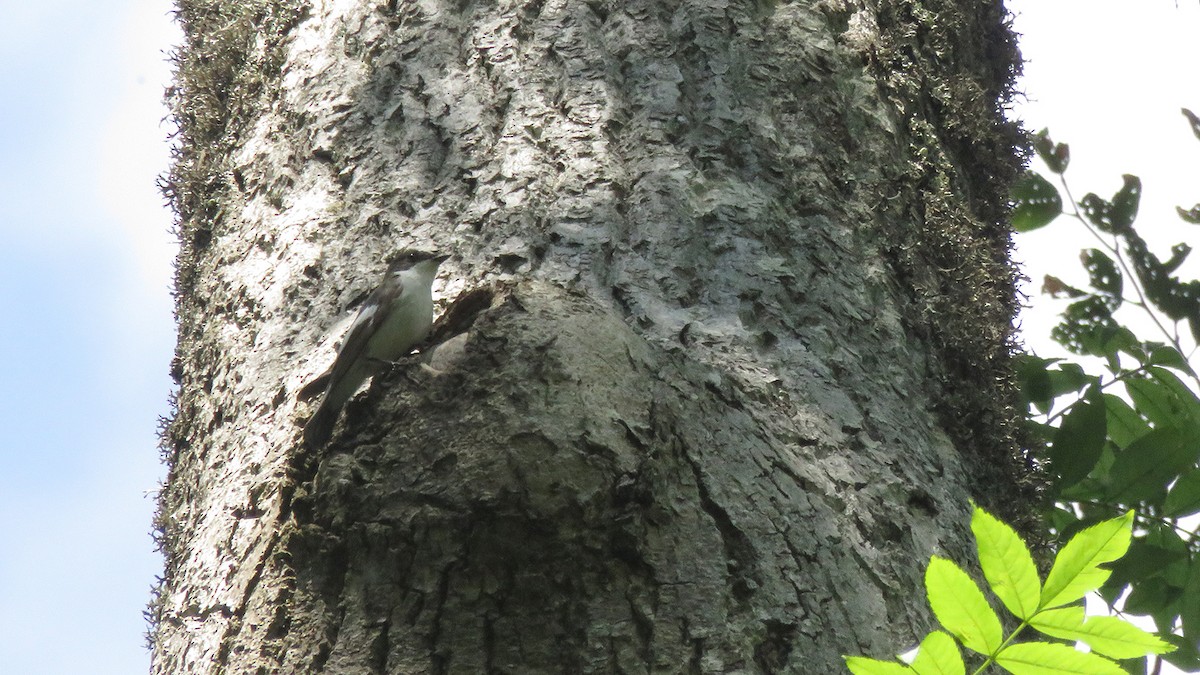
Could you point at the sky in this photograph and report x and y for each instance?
(85, 274)
(85, 270)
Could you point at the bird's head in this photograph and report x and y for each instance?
(408, 259)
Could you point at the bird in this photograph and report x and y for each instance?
(393, 320)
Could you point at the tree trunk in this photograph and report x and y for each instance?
(745, 363)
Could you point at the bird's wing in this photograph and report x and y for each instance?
(316, 387)
(373, 314)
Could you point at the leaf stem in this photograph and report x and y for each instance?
(1008, 640)
(1172, 336)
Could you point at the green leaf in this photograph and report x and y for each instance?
(938, 655)
(861, 665)
(1045, 658)
(1056, 155)
(960, 606)
(1178, 300)
(1076, 569)
(1059, 620)
(1108, 635)
(1179, 253)
(1125, 203)
(1111, 591)
(1189, 404)
(1079, 439)
(1149, 555)
(1189, 610)
(1092, 489)
(1185, 657)
(1040, 384)
(1166, 355)
(1116, 216)
(1150, 597)
(1184, 496)
(1034, 380)
(1119, 639)
(1077, 525)
(1163, 398)
(1069, 378)
(1088, 328)
(1123, 423)
(1035, 203)
(1191, 215)
(1142, 470)
(1154, 400)
(1061, 518)
(1103, 275)
(1006, 564)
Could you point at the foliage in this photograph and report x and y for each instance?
(1127, 438)
(1122, 448)
(1052, 608)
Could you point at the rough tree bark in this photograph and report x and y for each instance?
(746, 361)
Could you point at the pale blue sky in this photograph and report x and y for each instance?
(85, 271)
(84, 284)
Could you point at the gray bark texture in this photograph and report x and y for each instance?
(744, 363)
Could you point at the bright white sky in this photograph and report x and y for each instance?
(86, 270)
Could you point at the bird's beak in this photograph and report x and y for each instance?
(441, 258)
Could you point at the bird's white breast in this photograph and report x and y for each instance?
(408, 323)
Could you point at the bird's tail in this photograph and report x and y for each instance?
(320, 426)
